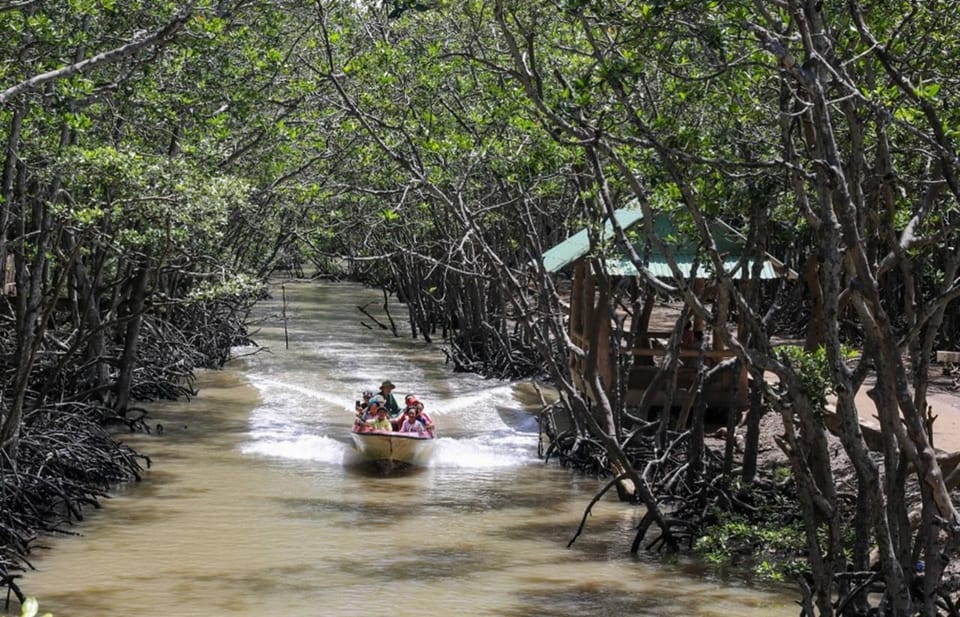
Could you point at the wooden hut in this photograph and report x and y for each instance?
(590, 319)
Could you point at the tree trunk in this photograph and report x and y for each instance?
(134, 316)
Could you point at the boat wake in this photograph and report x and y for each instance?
(303, 448)
(307, 423)
(482, 452)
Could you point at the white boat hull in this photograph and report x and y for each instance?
(393, 448)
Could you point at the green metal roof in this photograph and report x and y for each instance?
(660, 269)
(577, 245)
(729, 243)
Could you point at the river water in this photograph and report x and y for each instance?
(254, 505)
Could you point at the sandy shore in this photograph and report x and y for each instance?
(946, 428)
(946, 408)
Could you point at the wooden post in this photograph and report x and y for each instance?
(576, 301)
(588, 298)
(605, 361)
(9, 275)
(743, 382)
(698, 285)
(286, 338)
(576, 318)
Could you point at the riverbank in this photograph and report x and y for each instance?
(74, 410)
(758, 527)
(943, 398)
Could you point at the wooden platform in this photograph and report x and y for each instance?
(724, 391)
(948, 356)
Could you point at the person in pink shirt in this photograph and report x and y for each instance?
(410, 423)
(422, 416)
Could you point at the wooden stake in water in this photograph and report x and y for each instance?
(286, 339)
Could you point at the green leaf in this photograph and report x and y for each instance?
(30, 608)
(389, 215)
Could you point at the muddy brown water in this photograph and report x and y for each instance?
(254, 505)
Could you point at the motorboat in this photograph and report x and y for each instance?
(392, 448)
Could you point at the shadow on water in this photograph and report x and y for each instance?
(382, 469)
(424, 564)
(588, 599)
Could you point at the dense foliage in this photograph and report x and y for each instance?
(162, 159)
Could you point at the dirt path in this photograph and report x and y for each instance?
(943, 396)
(946, 408)
(946, 428)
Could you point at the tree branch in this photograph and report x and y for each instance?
(157, 37)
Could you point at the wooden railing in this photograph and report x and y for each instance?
(729, 389)
(716, 354)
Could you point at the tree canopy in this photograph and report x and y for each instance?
(163, 159)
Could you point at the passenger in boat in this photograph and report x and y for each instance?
(393, 407)
(381, 422)
(410, 423)
(378, 402)
(366, 412)
(363, 403)
(375, 403)
(422, 416)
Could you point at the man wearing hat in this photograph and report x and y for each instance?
(393, 407)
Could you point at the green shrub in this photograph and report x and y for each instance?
(771, 549)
